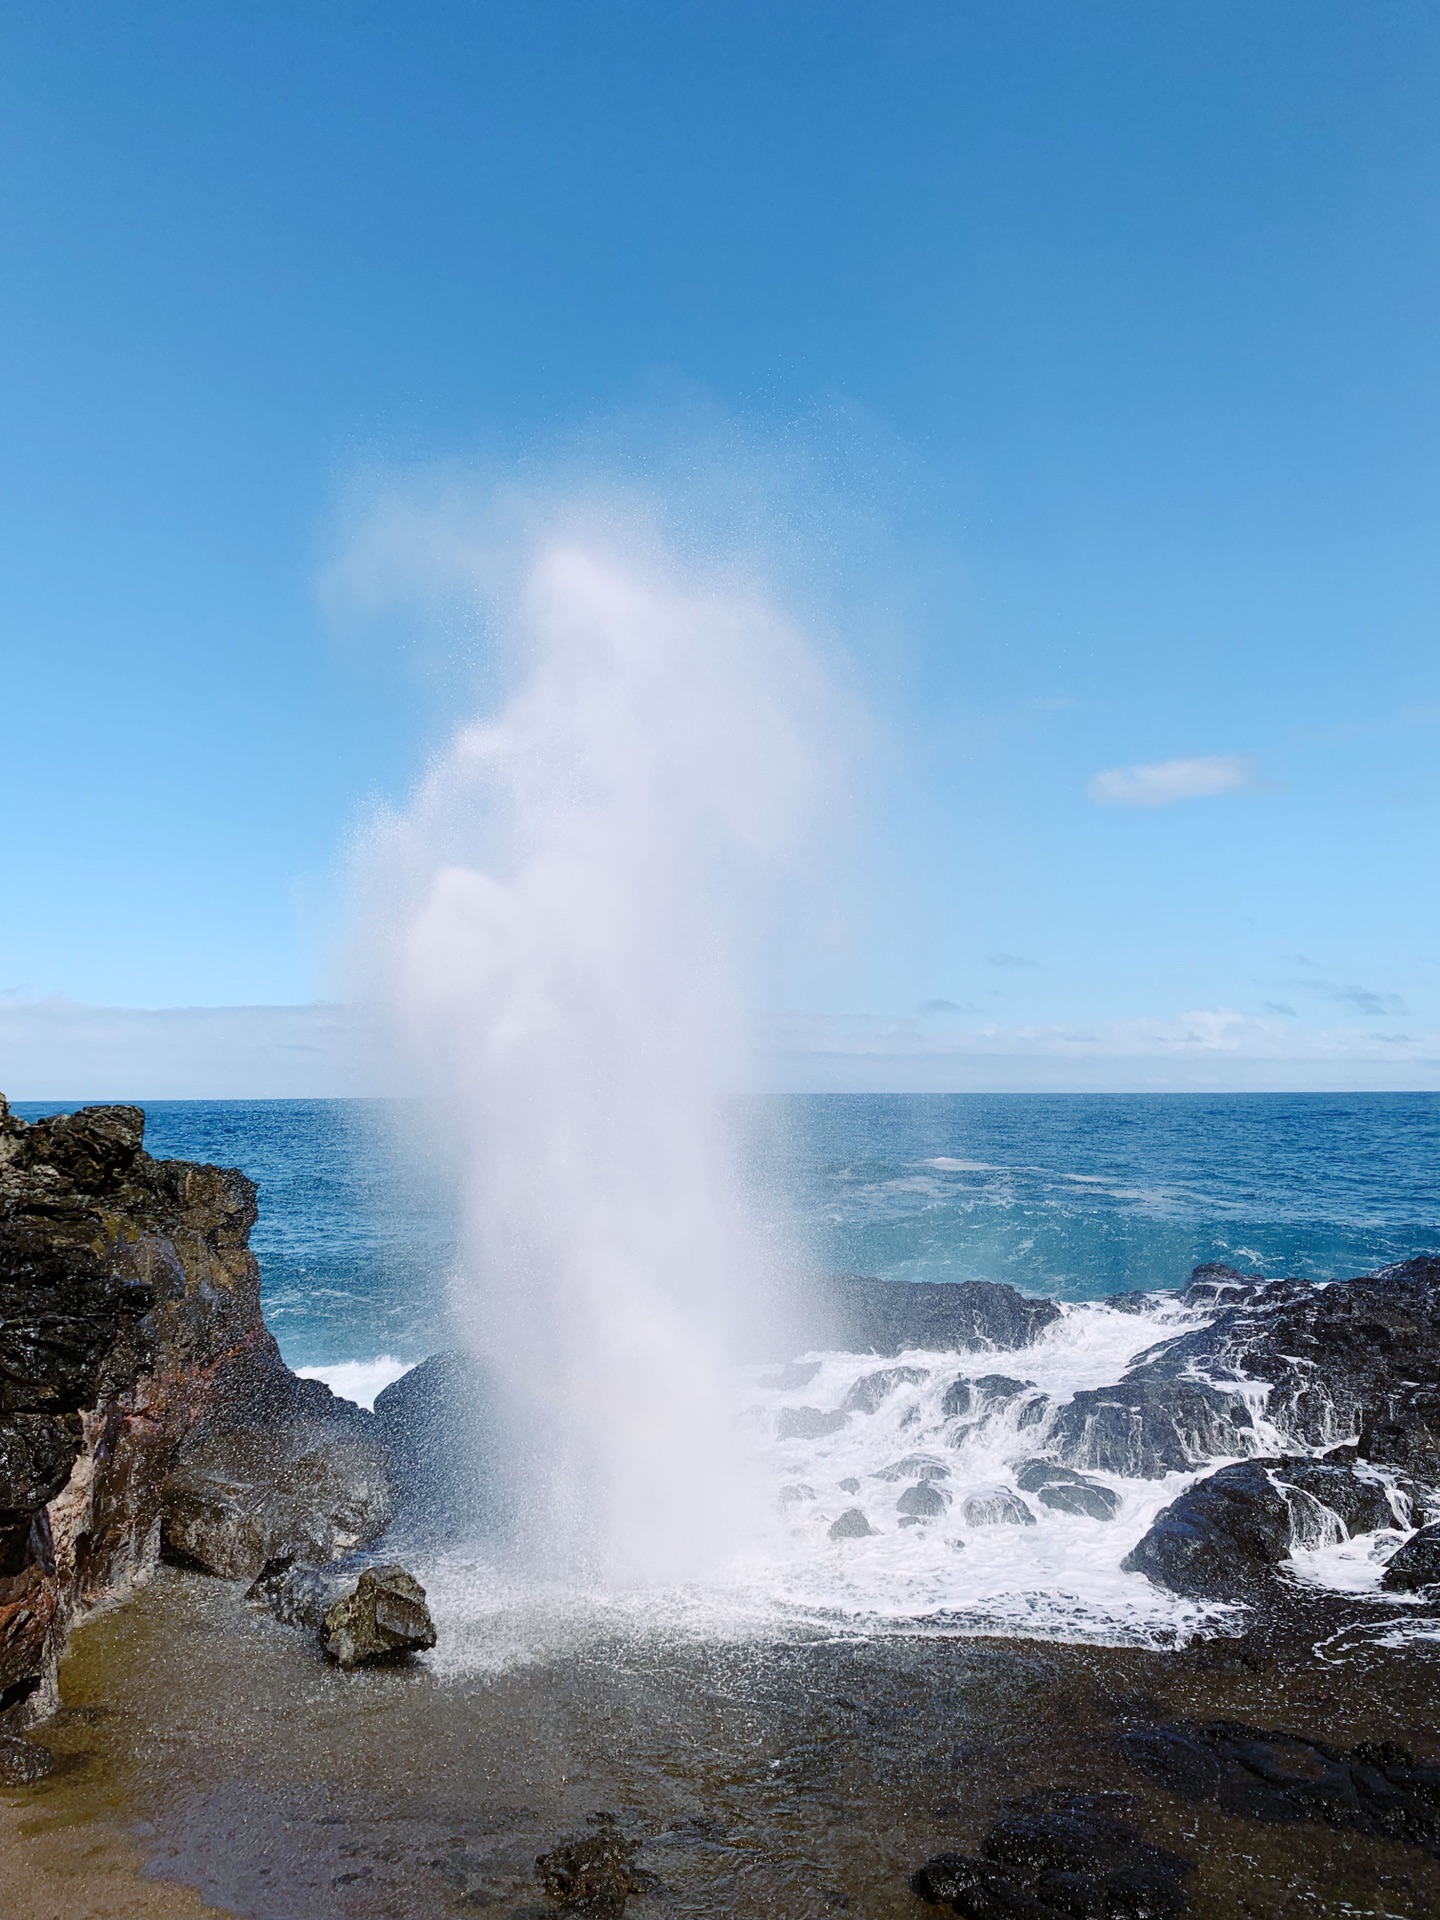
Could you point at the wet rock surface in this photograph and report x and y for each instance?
(1066, 1491)
(443, 1425)
(1376, 1787)
(1417, 1564)
(593, 1873)
(967, 1316)
(278, 1468)
(1074, 1857)
(383, 1619)
(23, 1762)
(126, 1288)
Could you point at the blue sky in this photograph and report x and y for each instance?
(1106, 334)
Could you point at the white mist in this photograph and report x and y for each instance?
(580, 883)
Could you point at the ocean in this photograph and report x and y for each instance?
(1076, 1196)
(1080, 1198)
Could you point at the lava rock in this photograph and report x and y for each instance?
(594, 1872)
(300, 1596)
(1224, 1537)
(965, 1395)
(23, 1762)
(915, 1466)
(1066, 1491)
(807, 1423)
(923, 1500)
(1417, 1564)
(280, 1468)
(864, 1315)
(1063, 1858)
(384, 1619)
(996, 1507)
(852, 1525)
(867, 1393)
(1278, 1777)
(443, 1423)
(1145, 1429)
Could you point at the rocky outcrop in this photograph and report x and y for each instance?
(1417, 1564)
(1145, 1428)
(129, 1316)
(891, 1317)
(1226, 1536)
(442, 1423)
(1064, 1491)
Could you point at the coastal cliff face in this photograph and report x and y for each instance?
(130, 1323)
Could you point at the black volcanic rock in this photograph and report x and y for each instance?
(442, 1422)
(278, 1468)
(1280, 1778)
(892, 1316)
(1063, 1858)
(1417, 1564)
(1065, 1491)
(1146, 1428)
(1224, 1537)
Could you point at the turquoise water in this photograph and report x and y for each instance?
(1072, 1195)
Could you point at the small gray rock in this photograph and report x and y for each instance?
(385, 1617)
(867, 1394)
(1417, 1564)
(807, 1423)
(923, 1500)
(852, 1525)
(998, 1507)
(1065, 1491)
(23, 1762)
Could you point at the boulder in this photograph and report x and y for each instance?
(852, 1525)
(807, 1423)
(384, 1619)
(1224, 1537)
(1145, 1428)
(1417, 1564)
(863, 1315)
(1060, 1858)
(443, 1423)
(1065, 1491)
(924, 1500)
(278, 1469)
(867, 1393)
(967, 1396)
(915, 1466)
(996, 1507)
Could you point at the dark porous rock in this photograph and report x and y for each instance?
(1061, 1858)
(996, 1507)
(1065, 1491)
(384, 1619)
(915, 1466)
(443, 1424)
(593, 1873)
(301, 1595)
(1146, 1428)
(968, 1396)
(1357, 1357)
(895, 1316)
(1374, 1788)
(23, 1762)
(852, 1525)
(127, 1286)
(867, 1393)
(807, 1423)
(1224, 1537)
(1417, 1564)
(278, 1468)
(923, 1500)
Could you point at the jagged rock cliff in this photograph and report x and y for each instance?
(130, 1326)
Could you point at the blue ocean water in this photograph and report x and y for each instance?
(1077, 1196)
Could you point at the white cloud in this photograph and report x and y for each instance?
(1157, 784)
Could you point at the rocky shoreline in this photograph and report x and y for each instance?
(146, 1417)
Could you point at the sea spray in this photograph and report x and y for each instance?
(578, 886)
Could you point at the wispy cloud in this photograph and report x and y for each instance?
(1164, 781)
(943, 1006)
(1365, 1001)
(1009, 960)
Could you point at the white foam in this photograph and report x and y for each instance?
(359, 1380)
